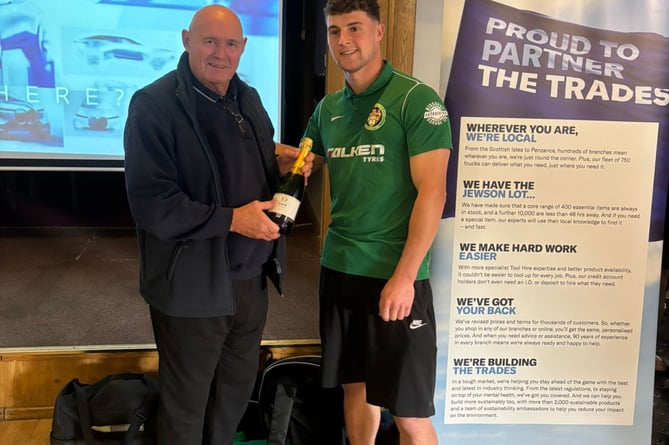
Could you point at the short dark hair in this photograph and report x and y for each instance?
(337, 7)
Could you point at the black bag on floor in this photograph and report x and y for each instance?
(296, 408)
(119, 409)
(252, 424)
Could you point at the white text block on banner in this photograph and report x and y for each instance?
(549, 263)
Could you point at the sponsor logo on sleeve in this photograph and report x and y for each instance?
(435, 113)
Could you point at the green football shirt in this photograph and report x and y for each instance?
(367, 140)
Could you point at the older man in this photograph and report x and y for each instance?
(201, 168)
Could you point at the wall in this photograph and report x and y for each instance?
(428, 47)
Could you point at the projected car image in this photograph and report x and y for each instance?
(21, 29)
(20, 120)
(98, 49)
(100, 117)
(101, 111)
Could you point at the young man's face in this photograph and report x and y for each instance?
(354, 39)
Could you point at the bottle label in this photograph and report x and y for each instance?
(286, 205)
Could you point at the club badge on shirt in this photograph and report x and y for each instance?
(376, 117)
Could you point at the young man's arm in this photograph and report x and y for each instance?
(428, 171)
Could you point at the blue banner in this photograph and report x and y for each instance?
(547, 264)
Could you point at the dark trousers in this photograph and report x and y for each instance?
(207, 368)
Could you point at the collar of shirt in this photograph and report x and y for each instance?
(199, 87)
(378, 84)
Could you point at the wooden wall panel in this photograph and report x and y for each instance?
(29, 382)
(403, 31)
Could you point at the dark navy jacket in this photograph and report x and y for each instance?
(176, 198)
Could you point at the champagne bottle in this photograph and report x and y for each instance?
(291, 190)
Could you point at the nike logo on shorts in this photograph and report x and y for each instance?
(415, 324)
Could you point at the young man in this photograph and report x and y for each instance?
(200, 172)
(386, 140)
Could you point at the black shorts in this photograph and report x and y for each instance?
(396, 359)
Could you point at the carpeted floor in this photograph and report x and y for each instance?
(65, 287)
(68, 269)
